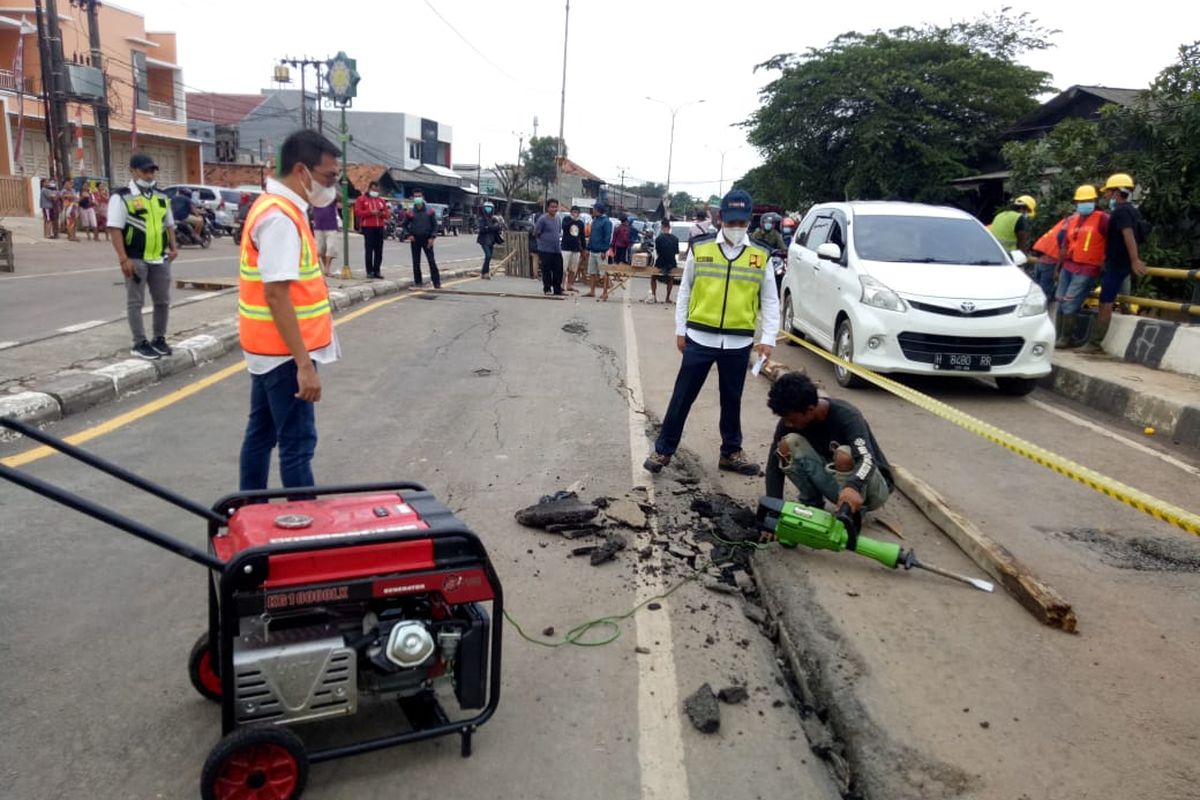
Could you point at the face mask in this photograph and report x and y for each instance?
(418, 201)
(373, 194)
(767, 226)
(320, 196)
(145, 184)
(1085, 208)
(487, 209)
(734, 235)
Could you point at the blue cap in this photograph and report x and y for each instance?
(736, 206)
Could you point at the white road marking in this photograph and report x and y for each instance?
(5, 345)
(82, 326)
(1100, 429)
(660, 739)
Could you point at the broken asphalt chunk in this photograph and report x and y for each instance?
(703, 711)
(563, 508)
(733, 695)
(627, 513)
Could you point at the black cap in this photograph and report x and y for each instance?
(142, 161)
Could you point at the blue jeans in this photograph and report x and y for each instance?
(1043, 276)
(277, 416)
(1073, 289)
(487, 258)
(693, 372)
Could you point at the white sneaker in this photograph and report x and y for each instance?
(650, 298)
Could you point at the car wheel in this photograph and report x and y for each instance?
(1016, 387)
(789, 319)
(844, 349)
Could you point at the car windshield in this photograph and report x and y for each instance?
(925, 240)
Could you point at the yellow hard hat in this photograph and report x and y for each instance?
(1119, 180)
(1028, 202)
(1085, 192)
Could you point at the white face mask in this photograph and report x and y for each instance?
(145, 184)
(320, 196)
(734, 235)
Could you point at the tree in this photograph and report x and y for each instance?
(541, 163)
(511, 180)
(892, 114)
(683, 203)
(649, 189)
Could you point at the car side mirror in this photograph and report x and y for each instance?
(830, 252)
(1019, 258)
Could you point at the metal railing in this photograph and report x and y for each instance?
(8, 82)
(1192, 308)
(162, 109)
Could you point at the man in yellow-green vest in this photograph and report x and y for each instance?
(726, 292)
(142, 232)
(1012, 227)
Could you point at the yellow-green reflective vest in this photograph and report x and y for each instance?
(724, 295)
(145, 218)
(1004, 228)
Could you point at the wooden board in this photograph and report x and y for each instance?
(208, 284)
(1038, 597)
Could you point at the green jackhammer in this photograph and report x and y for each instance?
(795, 524)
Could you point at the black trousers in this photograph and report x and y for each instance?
(552, 272)
(373, 249)
(693, 371)
(419, 244)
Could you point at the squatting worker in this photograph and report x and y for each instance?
(825, 448)
(284, 319)
(727, 290)
(142, 232)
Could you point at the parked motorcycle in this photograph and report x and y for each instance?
(186, 235)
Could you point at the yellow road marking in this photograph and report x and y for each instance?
(182, 393)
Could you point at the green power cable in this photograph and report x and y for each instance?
(576, 636)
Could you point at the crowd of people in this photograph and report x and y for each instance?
(65, 210)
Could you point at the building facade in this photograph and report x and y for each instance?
(145, 89)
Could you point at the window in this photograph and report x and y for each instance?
(837, 233)
(414, 149)
(925, 240)
(819, 233)
(141, 91)
(805, 227)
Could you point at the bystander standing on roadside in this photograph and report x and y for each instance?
(622, 239)
(420, 223)
(372, 212)
(666, 258)
(491, 233)
(599, 240)
(142, 231)
(48, 201)
(574, 245)
(87, 213)
(69, 211)
(285, 323)
(700, 227)
(325, 229)
(102, 197)
(548, 234)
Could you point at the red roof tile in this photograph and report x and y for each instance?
(222, 109)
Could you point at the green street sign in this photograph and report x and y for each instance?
(342, 78)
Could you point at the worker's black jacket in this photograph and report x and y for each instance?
(844, 425)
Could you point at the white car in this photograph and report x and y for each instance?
(910, 288)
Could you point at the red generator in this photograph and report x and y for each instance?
(353, 595)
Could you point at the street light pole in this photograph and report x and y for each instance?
(671, 145)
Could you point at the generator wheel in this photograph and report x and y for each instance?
(257, 763)
(202, 670)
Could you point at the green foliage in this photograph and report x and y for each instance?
(649, 189)
(683, 203)
(891, 113)
(540, 159)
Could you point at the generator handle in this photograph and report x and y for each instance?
(109, 517)
(231, 502)
(105, 466)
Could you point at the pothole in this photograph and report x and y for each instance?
(576, 327)
(1138, 552)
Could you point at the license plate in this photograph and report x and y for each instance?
(962, 362)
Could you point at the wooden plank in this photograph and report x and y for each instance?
(1038, 597)
(206, 283)
(522, 295)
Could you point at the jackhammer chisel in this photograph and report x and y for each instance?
(795, 524)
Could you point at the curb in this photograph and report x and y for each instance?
(1178, 421)
(71, 391)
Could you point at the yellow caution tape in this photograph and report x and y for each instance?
(1147, 504)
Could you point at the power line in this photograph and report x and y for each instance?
(468, 43)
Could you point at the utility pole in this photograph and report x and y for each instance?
(623, 171)
(303, 64)
(100, 107)
(58, 90)
(562, 107)
(47, 87)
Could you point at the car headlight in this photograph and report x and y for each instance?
(876, 294)
(1034, 303)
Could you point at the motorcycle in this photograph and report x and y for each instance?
(185, 234)
(778, 262)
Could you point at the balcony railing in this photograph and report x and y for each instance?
(162, 109)
(8, 82)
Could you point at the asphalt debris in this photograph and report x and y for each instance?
(1142, 552)
(733, 695)
(703, 711)
(607, 551)
(562, 508)
(548, 631)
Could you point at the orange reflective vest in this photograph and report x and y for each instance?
(1086, 240)
(1048, 244)
(308, 293)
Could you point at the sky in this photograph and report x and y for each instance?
(489, 68)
